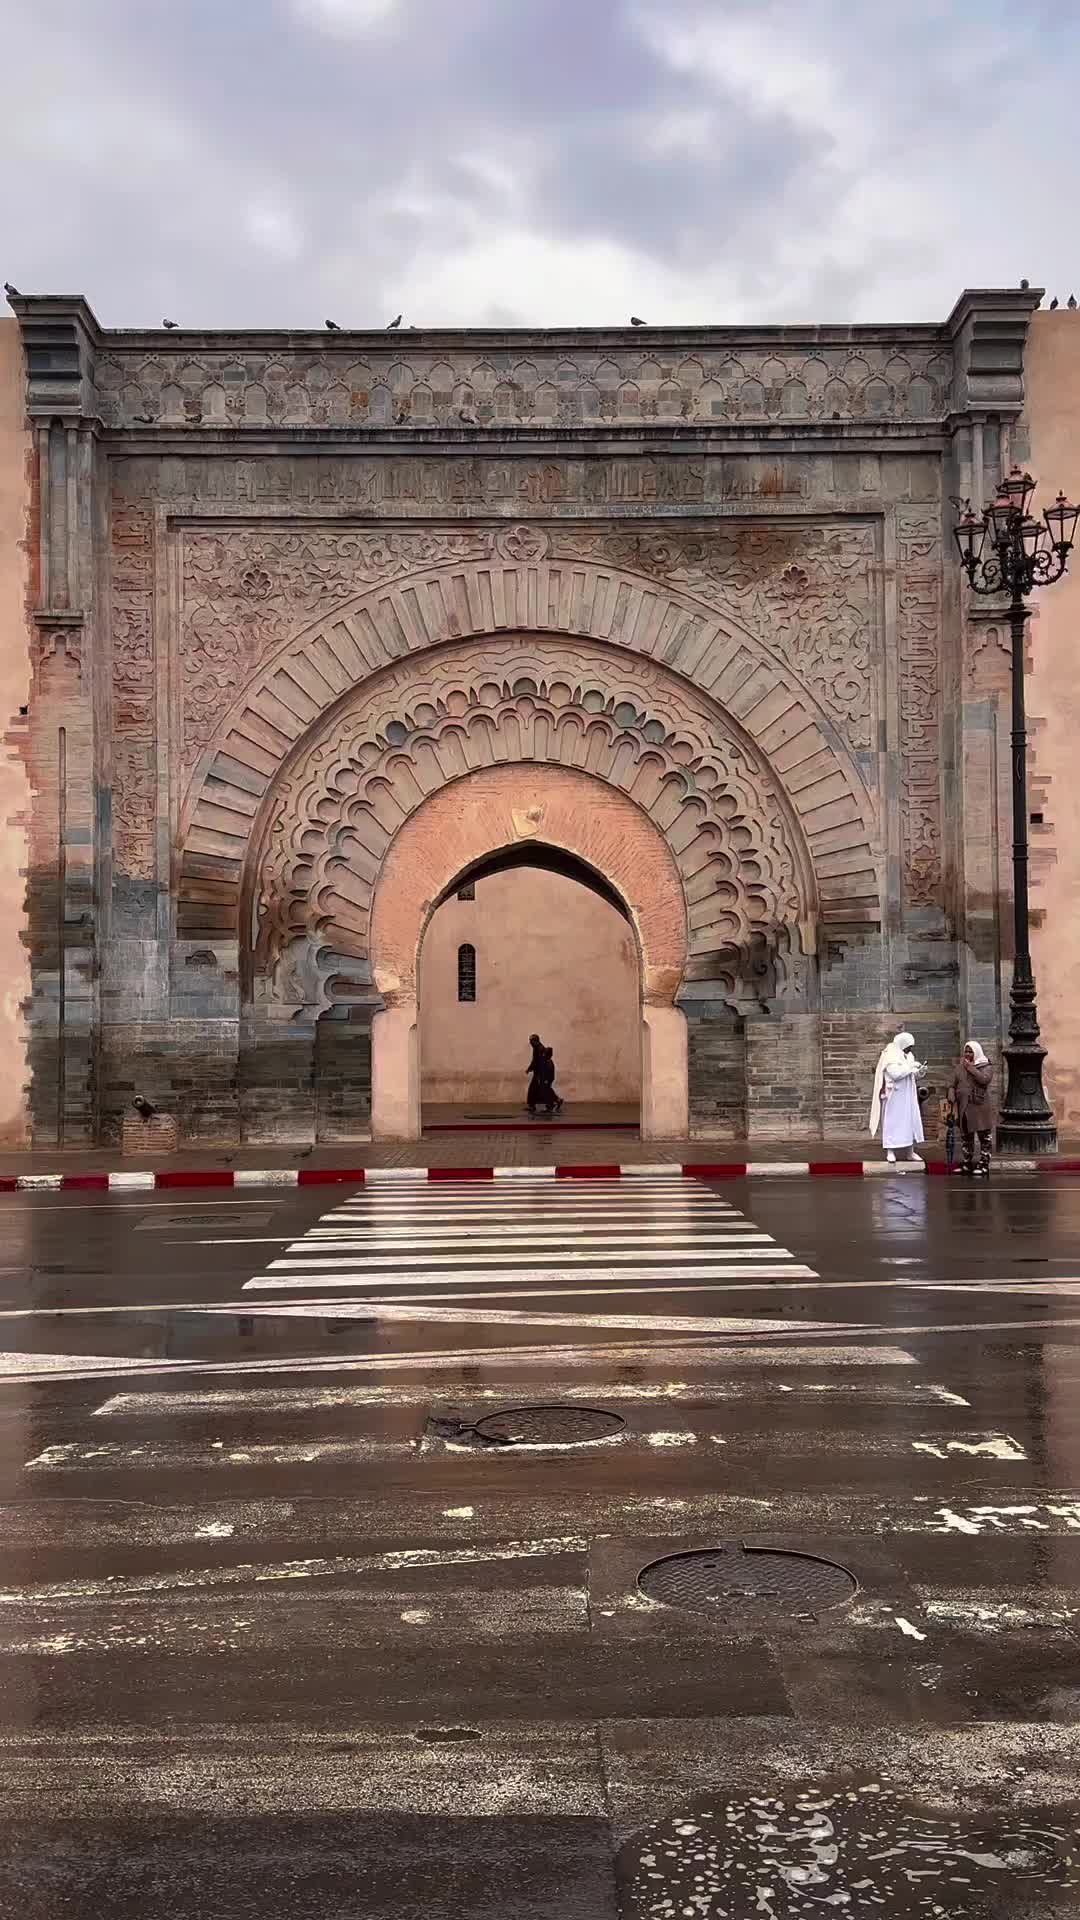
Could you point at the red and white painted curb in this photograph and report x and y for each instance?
(132, 1182)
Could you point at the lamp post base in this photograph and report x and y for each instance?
(1026, 1123)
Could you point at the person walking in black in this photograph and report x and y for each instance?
(542, 1078)
(535, 1093)
(547, 1081)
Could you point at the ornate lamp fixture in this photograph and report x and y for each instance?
(1005, 550)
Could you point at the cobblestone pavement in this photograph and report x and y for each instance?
(350, 1552)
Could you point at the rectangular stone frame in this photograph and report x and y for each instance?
(923, 412)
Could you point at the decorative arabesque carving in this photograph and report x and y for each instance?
(526, 583)
(406, 485)
(746, 877)
(246, 593)
(919, 626)
(395, 390)
(134, 748)
(805, 593)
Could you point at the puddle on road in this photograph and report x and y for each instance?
(182, 1333)
(849, 1849)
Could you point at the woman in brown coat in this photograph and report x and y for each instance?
(974, 1105)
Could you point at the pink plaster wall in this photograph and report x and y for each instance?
(551, 957)
(14, 693)
(1052, 377)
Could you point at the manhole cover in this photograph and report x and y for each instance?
(549, 1426)
(717, 1578)
(852, 1848)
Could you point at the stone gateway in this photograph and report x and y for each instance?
(323, 630)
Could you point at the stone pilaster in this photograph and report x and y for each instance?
(68, 827)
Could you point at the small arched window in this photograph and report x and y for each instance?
(466, 972)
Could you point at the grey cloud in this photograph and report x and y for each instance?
(148, 148)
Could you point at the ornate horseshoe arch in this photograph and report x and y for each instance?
(321, 836)
(753, 690)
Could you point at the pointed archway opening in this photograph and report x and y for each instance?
(500, 819)
(411, 781)
(530, 939)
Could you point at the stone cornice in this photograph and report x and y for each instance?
(988, 328)
(60, 337)
(516, 340)
(741, 439)
(485, 383)
(452, 386)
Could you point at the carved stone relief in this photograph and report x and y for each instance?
(422, 487)
(742, 681)
(247, 591)
(919, 611)
(408, 387)
(133, 691)
(746, 875)
(806, 594)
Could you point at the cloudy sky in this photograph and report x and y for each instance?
(272, 162)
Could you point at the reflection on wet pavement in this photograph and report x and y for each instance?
(854, 1849)
(294, 1494)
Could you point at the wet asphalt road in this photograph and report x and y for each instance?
(281, 1634)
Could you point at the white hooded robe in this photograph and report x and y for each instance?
(895, 1103)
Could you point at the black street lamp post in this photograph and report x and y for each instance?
(1005, 550)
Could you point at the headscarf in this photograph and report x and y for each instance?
(892, 1055)
(980, 1059)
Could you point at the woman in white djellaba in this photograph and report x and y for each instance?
(895, 1104)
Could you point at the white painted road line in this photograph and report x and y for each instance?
(207, 1455)
(546, 1208)
(659, 1290)
(646, 1323)
(653, 1210)
(210, 1401)
(297, 1283)
(585, 1356)
(396, 1559)
(747, 1247)
(573, 1245)
(380, 1246)
(544, 1200)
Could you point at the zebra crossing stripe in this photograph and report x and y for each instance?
(560, 1237)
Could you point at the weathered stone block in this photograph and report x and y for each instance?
(157, 1135)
